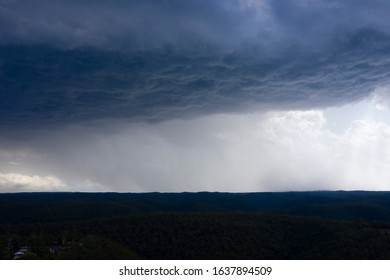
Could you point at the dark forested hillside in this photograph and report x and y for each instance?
(296, 225)
(55, 207)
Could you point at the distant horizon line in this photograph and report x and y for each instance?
(190, 192)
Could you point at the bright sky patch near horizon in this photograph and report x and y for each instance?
(236, 95)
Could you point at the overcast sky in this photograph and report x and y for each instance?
(206, 95)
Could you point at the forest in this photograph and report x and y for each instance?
(287, 225)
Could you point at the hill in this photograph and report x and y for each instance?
(293, 225)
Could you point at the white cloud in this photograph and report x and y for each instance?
(14, 182)
(356, 158)
(381, 98)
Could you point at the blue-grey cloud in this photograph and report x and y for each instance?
(65, 61)
(127, 24)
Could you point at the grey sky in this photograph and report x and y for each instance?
(84, 85)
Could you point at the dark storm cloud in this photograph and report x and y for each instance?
(66, 61)
(122, 23)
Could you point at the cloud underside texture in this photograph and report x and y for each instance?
(64, 62)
